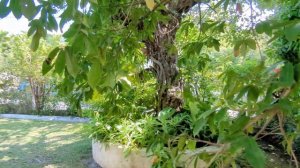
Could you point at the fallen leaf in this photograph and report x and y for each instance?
(150, 4)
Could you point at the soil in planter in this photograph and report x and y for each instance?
(276, 157)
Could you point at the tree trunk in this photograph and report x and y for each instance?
(165, 65)
(38, 94)
(163, 56)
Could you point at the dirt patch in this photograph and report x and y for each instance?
(89, 162)
(40, 160)
(276, 157)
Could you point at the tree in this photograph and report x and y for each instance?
(134, 26)
(143, 31)
(19, 60)
(109, 41)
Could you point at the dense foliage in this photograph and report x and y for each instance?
(23, 87)
(175, 76)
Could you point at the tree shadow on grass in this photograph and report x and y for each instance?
(30, 144)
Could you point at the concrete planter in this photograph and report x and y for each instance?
(112, 156)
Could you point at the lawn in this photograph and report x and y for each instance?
(39, 144)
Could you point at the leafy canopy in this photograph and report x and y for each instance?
(105, 52)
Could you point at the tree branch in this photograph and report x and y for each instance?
(280, 120)
(267, 112)
(265, 125)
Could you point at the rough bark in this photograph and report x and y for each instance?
(38, 94)
(164, 60)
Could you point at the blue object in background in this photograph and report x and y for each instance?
(23, 86)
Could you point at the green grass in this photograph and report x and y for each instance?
(38, 144)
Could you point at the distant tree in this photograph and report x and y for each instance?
(19, 60)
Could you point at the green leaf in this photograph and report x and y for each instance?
(263, 27)
(72, 63)
(292, 33)
(60, 62)
(34, 26)
(193, 48)
(194, 109)
(239, 124)
(31, 30)
(83, 3)
(198, 125)
(29, 9)
(285, 105)
(181, 142)
(191, 144)
(72, 32)
(46, 67)
(47, 64)
(226, 3)
(251, 43)
(216, 45)
(58, 2)
(90, 46)
(187, 94)
(4, 10)
(165, 114)
(243, 49)
(125, 83)
(297, 72)
(286, 78)
(94, 1)
(35, 41)
(15, 7)
(52, 24)
(242, 93)
(110, 80)
(208, 25)
(220, 27)
(93, 75)
(236, 48)
(53, 53)
(65, 17)
(88, 94)
(254, 155)
(207, 113)
(220, 115)
(253, 93)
